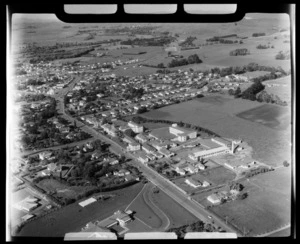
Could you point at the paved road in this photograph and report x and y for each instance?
(168, 187)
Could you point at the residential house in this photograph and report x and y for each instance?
(134, 146)
(193, 183)
(45, 155)
(147, 148)
(96, 155)
(114, 161)
(200, 166)
(166, 153)
(191, 169)
(143, 158)
(150, 156)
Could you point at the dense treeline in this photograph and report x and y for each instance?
(250, 93)
(246, 68)
(257, 171)
(138, 119)
(258, 34)
(263, 96)
(192, 59)
(161, 41)
(239, 52)
(54, 56)
(188, 41)
(218, 38)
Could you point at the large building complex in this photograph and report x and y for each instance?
(182, 134)
(135, 127)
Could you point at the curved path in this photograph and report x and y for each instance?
(145, 193)
(165, 220)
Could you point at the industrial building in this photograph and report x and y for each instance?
(182, 134)
(135, 127)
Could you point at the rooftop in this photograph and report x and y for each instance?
(162, 133)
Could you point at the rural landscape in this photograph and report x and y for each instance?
(150, 127)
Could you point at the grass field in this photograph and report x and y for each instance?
(218, 113)
(275, 117)
(73, 217)
(145, 211)
(177, 215)
(282, 88)
(218, 175)
(282, 233)
(261, 211)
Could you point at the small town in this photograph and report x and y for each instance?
(109, 138)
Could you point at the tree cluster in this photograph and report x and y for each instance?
(250, 93)
(283, 56)
(257, 171)
(260, 46)
(192, 59)
(258, 34)
(161, 41)
(132, 93)
(263, 96)
(239, 52)
(198, 226)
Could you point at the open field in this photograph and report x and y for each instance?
(73, 217)
(212, 55)
(137, 226)
(145, 211)
(261, 211)
(275, 117)
(177, 214)
(282, 233)
(218, 113)
(218, 175)
(281, 87)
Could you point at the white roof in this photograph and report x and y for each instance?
(87, 202)
(213, 150)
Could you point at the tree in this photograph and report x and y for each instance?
(236, 186)
(231, 92)
(237, 92)
(285, 163)
(141, 110)
(160, 65)
(242, 196)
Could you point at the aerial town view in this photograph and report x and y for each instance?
(150, 127)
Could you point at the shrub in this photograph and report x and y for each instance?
(258, 34)
(239, 52)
